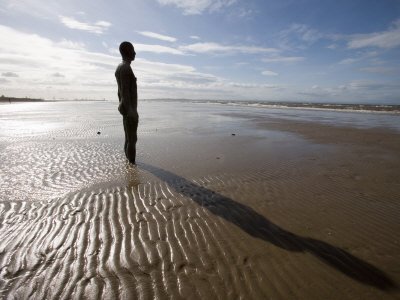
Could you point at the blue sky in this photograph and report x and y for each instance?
(287, 50)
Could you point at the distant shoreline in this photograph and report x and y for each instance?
(13, 99)
(5, 99)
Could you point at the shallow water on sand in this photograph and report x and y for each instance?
(41, 119)
(217, 208)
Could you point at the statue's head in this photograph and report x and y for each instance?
(127, 51)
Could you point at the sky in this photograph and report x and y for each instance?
(345, 51)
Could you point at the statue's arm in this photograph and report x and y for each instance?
(128, 95)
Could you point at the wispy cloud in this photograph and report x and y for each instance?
(9, 74)
(193, 7)
(69, 71)
(157, 36)
(244, 13)
(210, 48)
(98, 27)
(298, 36)
(385, 39)
(369, 85)
(348, 61)
(253, 85)
(360, 56)
(269, 73)
(157, 49)
(225, 49)
(302, 35)
(37, 8)
(284, 59)
(64, 43)
(332, 46)
(380, 70)
(364, 90)
(75, 72)
(151, 49)
(58, 74)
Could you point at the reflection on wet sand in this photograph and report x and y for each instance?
(280, 210)
(258, 226)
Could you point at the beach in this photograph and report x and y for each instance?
(226, 202)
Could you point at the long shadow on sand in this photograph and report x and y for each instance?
(258, 226)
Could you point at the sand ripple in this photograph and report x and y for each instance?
(47, 170)
(175, 239)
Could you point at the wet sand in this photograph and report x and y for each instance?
(222, 205)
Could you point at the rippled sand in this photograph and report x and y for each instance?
(275, 211)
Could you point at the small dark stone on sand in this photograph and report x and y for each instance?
(233, 134)
(218, 157)
(98, 132)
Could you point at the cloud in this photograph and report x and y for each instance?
(361, 56)
(57, 74)
(86, 73)
(298, 36)
(284, 59)
(159, 68)
(269, 73)
(91, 74)
(212, 48)
(99, 27)
(385, 39)
(380, 70)
(157, 49)
(301, 36)
(157, 36)
(332, 46)
(253, 85)
(243, 13)
(358, 91)
(348, 61)
(195, 37)
(42, 64)
(369, 85)
(225, 49)
(9, 74)
(195, 7)
(64, 43)
(37, 8)
(241, 63)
